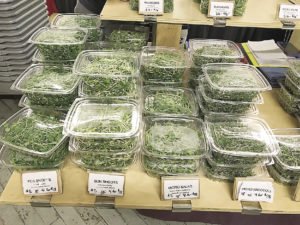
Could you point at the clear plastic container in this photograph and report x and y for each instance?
(287, 100)
(240, 136)
(48, 85)
(10, 64)
(294, 70)
(91, 22)
(126, 36)
(91, 118)
(175, 138)
(39, 58)
(28, 48)
(160, 166)
(23, 161)
(291, 179)
(33, 133)
(239, 7)
(59, 44)
(205, 51)
(168, 5)
(210, 106)
(108, 74)
(163, 64)
(235, 82)
(217, 171)
(291, 85)
(17, 8)
(160, 101)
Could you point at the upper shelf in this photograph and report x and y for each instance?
(259, 13)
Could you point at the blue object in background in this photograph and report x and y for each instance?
(273, 74)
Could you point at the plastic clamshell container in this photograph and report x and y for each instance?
(294, 67)
(59, 44)
(205, 51)
(163, 64)
(49, 85)
(209, 106)
(91, 22)
(240, 136)
(164, 166)
(291, 85)
(91, 118)
(216, 171)
(176, 138)
(235, 77)
(163, 101)
(287, 100)
(39, 58)
(15, 133)
(23, 161)
(281, 179)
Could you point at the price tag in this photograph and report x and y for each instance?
(151, 7)
(41, 182)
(255, 191)
(180, 188)
(289, 12)
(106, 184)
(221, 9)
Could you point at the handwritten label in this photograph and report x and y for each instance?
(255, 191)
(289, 12)
(40, 183)
(221, 9)
(151, 7)
(106, 184)
(180, 188)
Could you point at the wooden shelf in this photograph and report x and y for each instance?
(259, 13)
(143, 191)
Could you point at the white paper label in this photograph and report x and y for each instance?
(40, 183)
(106, 184)
(255, 191)
(289, 12)
(221, 9)
(181, 189)
(151, 7)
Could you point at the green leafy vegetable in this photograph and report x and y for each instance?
(289, 180)
(287, 100)
(239, 7)
(168, 5)
(226, 159)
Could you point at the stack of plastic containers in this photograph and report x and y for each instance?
(203, 51)
(289, 93)
(33, 140)
(286, 167)
(18, 20)
(230, 88)
(173, 145)
(238, 147)
(104, 136)
(108, 74)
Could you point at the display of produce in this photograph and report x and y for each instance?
(168, 5)
(48, 85)
(245, 137)
(169, 101)
(90, 22)
(287, 100)
(292, 86)
(203, 51)
(33, 133)
(107, 74)
(22, 161)
(178, 138)
(163, 65)
(239, 7)
(234, 82)
(59, 44)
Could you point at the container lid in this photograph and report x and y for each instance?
(33, 133)
(294, 65)
(182, 138)
(170, 101)
(253, 110)
(91, 118)
(235, 77)
(73, 20)
(48, 79)
(55, 36)
(214, 48)
(288, 140)
(106, 64)
(242, 136)
(163, 57)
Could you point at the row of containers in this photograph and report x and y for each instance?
(175, 112)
